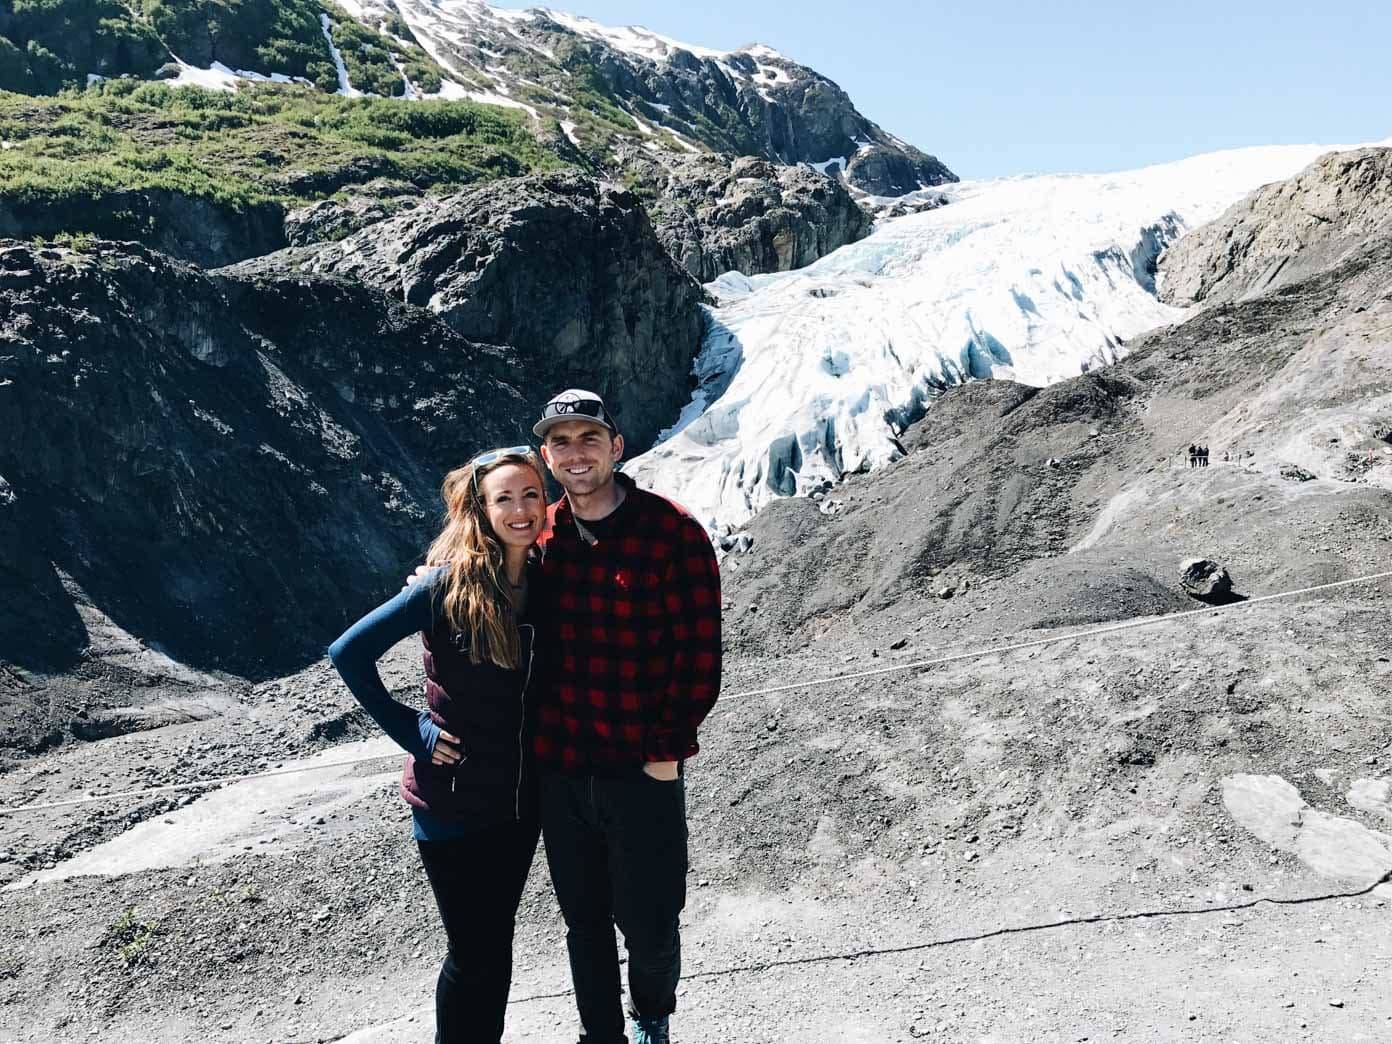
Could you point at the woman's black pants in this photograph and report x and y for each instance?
(478, 882)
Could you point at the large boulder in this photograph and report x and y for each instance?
(1204, 579)
(568, 272)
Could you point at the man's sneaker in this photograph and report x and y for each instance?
(651, 1031)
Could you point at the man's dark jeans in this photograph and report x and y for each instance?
(617, 852)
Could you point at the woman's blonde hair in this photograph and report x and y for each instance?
(474, 593)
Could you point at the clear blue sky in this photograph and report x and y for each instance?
(998, 87)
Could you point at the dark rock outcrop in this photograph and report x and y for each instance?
(885, 170)
(1285, 232)
(189, 228)
(567, 272)
(1204, 579)
(750, 215)
(900, 209)
(229, 499)
(331, 219)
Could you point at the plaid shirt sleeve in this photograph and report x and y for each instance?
(691, 598)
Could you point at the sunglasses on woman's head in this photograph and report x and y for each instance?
(484, 459)
(499, 454)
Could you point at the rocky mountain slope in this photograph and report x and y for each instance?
(750, 215)
(269, 107)
(555, 265)
(225, 467)
(1286, 232)
(604, 84)
(66, 44)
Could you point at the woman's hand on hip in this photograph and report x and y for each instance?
(447, 750)
(666, 771)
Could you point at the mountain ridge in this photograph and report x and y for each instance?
(582, 84)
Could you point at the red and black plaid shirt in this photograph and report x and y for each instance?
(632, 636)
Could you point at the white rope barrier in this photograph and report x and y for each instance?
(835, 679)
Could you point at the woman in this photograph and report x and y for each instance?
(468, 780)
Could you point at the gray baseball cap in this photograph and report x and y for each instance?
(573, 404)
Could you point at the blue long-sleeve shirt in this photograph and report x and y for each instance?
(355, 653)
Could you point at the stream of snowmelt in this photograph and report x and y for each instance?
(806, 376)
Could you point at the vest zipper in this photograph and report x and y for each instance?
(522, 726)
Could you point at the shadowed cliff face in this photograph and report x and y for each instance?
(569, 273)
(225, 497)
(198, 230)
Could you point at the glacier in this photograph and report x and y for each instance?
(805, 377)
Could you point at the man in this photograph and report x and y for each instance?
(630, 611)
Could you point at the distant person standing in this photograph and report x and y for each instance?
(1203, 456)
(1193, 455)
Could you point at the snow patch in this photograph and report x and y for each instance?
(759, 50)
(409, 92)
(489, 98)
(773, 74)
(569, 129)
(683, 142)
(1033, 279)
(344, 87)
(1333, 846)
(630, 39)
(825, 166)
(450, 91)
(223, 823)
(218, 77)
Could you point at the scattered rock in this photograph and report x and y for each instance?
(1204, 578)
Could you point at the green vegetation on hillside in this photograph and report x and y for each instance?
(267, 36)
(264, 142)
(46, 45)
(371, 59)
(50, 45)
